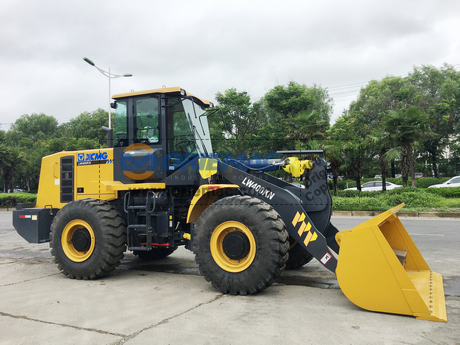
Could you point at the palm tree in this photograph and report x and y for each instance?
(307, 125)
(357, 149)
(304, 129)
(334, 154)
(381, 140)
(404, 128)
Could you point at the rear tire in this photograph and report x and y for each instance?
(154, 254)
(240, 245)
(88, 239)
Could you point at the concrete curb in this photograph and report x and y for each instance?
(364, 214)
(400, 214)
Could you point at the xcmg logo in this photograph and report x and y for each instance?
(138, 161)
(92, 158)
(97, 156)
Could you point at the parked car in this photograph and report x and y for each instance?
(453, 182)
(298, 185)
(376, 185)
(418, 175)
(378, 176)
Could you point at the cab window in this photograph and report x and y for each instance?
(146, 123)
(120, 134)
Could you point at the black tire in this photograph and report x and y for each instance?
(154, 254)
(298, 256)
(241, 245)
(88, 239)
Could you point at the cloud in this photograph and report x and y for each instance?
(210, 46)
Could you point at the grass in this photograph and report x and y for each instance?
(416, 200)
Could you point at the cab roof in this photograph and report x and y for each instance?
(175, 89)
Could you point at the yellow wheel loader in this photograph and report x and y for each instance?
(159, 185)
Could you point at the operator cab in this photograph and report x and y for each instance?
(156, 132)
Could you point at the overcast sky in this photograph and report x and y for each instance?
(207, 47)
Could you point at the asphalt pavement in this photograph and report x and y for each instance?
(168, 302)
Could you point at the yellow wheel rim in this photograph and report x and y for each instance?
(66, 240)
(218, 253)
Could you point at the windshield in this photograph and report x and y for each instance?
(198, 122)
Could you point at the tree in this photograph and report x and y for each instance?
(334, 151)
(243, 119)
(382, 143)
(307, 126)
(404, 128)
(352, 130)
(377, 97)
(438, 95)
(34, 127)
(303, 112)
(87, 125)
(289, 100)
(10, 160)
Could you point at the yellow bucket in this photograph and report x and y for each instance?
(380, 269)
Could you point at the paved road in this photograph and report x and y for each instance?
(169, 303)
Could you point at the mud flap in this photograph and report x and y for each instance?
(380, 269)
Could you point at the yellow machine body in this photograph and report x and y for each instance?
(89, 168)
(380, 269)
(204, 197)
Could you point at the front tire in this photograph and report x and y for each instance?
(240, 245)
(88, 239)
(298, 256)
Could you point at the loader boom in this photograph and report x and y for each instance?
(296, 206)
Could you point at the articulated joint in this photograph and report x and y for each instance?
(187, 236)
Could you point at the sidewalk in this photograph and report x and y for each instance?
(400, 214)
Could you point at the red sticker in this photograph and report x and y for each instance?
(326, 258)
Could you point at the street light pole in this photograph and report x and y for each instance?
(109, 76)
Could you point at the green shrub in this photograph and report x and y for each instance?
(341, 184)
(359, 204)
(448, 192)
(357, 193)
(12, 199)
(425, 182)
(412, 198)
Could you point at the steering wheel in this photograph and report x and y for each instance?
(185, 145)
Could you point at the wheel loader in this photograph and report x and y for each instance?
(158, 185)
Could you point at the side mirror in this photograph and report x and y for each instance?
(109, 132)
(113, 105)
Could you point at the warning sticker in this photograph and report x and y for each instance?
(326, 258)
(34, 217)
